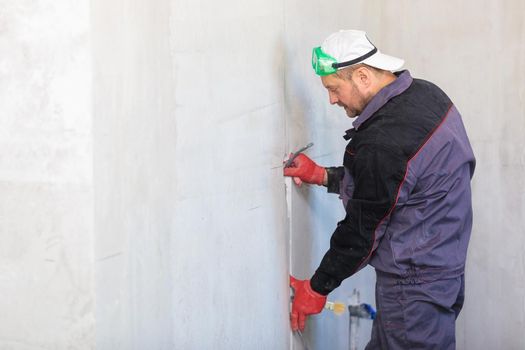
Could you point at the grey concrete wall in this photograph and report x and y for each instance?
(191, 229)
(134, 139)
(148, 160)
(46, 189)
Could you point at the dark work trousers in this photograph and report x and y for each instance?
(413, 315)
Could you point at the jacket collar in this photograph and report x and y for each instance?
(397, 87)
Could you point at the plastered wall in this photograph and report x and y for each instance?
(191, 227)
(46, 187)
(141, 198)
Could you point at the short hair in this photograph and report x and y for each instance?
(346, 73)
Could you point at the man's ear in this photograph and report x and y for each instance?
(364, 76)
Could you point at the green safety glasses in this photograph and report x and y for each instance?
(324, 64)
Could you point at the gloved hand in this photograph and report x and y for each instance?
(305, 302)
(305, 169)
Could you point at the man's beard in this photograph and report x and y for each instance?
(361, 103)
(358, 109)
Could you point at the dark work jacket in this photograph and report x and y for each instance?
(405, 185)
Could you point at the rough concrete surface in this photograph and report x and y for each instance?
(46, 192)
(141, 199)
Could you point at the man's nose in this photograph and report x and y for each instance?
(333, 99)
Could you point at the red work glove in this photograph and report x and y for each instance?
(305, 302)
(303, 169)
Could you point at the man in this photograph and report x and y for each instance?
(405, 185)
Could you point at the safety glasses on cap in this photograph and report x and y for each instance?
(324, 64)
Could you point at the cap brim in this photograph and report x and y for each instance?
(385, 62)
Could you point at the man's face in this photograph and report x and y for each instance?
(346, 94)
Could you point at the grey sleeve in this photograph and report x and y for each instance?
(335, 175)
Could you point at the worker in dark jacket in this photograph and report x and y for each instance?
(405, 184)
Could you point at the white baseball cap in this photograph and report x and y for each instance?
(351, 47)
